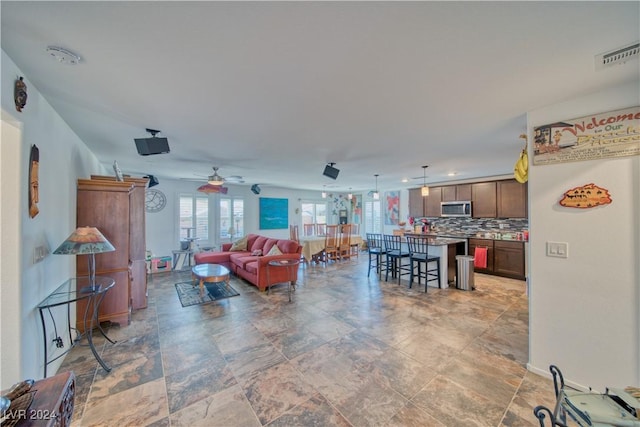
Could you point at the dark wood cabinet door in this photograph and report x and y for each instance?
(483, 196)
(473, 244)
(449, 193)
(416, 203)
(511, 199)
(432, 202)
(509, 259)
(463, 192)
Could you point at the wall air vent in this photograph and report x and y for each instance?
(618, 56)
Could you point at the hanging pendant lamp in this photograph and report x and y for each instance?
(376, 195)
(424, 190)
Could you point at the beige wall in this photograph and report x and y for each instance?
(584, 310)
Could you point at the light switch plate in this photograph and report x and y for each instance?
(558, 249)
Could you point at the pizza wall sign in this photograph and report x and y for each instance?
(587, 196)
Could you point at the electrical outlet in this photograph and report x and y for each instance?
(39, 253)
(558, 249)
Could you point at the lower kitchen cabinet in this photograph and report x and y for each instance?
(508, 259)
(504, 257)
(488, 243)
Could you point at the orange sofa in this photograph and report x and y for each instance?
(253, 268)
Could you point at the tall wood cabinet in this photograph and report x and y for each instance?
(117, 209)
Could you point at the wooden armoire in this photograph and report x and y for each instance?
(117, 209)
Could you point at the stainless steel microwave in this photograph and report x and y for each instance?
(455, 209)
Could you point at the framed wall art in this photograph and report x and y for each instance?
(274, 213)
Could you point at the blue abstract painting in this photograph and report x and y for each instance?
(274, 213)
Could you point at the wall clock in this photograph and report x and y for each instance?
(155, 200)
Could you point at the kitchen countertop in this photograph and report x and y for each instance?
(435, 240)
(461, 235)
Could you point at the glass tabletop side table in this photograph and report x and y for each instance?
(290, 265)
(71, 291)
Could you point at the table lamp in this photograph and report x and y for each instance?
(86, 241)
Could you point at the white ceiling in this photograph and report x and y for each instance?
(273, 91)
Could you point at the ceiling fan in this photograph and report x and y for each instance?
(216, 179)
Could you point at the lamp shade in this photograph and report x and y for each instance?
(208, 188)
(85, 240)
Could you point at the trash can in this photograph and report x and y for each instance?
(464, 276)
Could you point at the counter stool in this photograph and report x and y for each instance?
(376, 252)
(419, 254)
(395, 255)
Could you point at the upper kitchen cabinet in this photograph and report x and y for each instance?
(463, 192)
(420, 206)
(416, 203)
(454, 193)
(432, 202)
(512, 199)
(483, 196)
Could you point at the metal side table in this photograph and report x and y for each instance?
(73, 290)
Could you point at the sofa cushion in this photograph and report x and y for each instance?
(258, 243)
(288, 246)
(274, 250)
(239, 245)
(268, 245)
(212, 257)
(252, 267)
(242, 261)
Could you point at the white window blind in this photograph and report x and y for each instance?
(194, 216)
(372, 219)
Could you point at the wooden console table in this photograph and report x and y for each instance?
(52, 406)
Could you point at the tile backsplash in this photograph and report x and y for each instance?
(478, 225)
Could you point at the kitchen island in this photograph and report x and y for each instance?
(446, 248)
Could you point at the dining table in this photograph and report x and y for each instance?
(312, 245)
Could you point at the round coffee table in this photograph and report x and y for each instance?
(283, 263)
(214, 273)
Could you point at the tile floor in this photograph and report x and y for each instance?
(348, 351)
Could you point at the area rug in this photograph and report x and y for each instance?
(189, 293)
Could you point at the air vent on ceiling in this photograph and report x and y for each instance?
(618, 56)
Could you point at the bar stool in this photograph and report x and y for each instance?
(376, 252)
(395, 255)
(419, 254)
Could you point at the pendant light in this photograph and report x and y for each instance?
(324, 192)
(376, 195)
(424, 190)
(350, 195)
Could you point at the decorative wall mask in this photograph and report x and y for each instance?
(587, 196)
(20, 94)
(34, 164)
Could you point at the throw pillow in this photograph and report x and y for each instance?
(239, 245)
(274, 250)
(257, 252)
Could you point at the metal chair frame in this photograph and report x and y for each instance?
(395, 255)
(375, 247)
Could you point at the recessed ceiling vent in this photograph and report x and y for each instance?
(618, 56)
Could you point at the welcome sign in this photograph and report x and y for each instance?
(613, 134)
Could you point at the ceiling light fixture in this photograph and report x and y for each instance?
(62, 55)
(424, 190)
(215, 179)
(350, 195)
(324, 192)
(376, 195)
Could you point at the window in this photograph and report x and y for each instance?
(372, 217)
(194, 217)
(314, 213)
(231, 217)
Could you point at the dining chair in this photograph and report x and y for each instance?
(308, 229)
(395, 255)
(293, 233)
(355, 247)
(330, 251)
(321, 229)
(344, 247)
(419, 254)
(377, 252)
